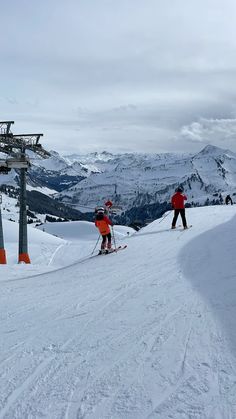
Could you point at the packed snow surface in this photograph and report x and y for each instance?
(144, 333)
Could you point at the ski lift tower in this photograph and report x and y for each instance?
(21, 142)
(4, 130)
(5, 127)
(3, 259)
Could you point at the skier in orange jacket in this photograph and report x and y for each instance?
(102, 222)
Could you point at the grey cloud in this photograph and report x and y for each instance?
(221, 132)
(123, 74)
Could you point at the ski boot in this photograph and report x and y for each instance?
(102, 252)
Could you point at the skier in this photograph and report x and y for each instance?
(177, 202)
(108, 204)
(228, 200)
(102, 222)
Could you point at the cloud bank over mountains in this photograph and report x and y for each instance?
(125, 76)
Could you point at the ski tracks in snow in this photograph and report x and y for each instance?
(137, 342)
(94, 370)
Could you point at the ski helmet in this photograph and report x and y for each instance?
(100, 210)
(180, 189)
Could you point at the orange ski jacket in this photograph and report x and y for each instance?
(103, 225)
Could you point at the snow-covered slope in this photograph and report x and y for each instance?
(42, 247)
(48, 175)
(60, 164)
(9, 208)
(147, 333)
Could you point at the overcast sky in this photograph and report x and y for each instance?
(120, 75)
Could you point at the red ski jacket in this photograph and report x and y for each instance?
(103, 225)
(177, 200)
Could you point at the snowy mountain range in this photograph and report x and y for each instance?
(133, 180)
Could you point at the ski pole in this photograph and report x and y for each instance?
(95, 245)
(113, 234)
(166, 215)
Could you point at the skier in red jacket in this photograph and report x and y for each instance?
(102, 222)
(177, 202)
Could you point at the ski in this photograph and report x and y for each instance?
(187, 227)
(176, 228)
(119, 248)
(180, 228)
(113, 250)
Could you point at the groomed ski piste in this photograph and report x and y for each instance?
(147, 333)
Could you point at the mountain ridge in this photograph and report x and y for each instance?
(140, 183)
(133, 180)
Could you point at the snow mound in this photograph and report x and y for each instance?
(81, 230)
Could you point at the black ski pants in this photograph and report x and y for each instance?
(176, 214)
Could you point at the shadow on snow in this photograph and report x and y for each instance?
(209, 262)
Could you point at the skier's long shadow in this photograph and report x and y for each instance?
(207, 262)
